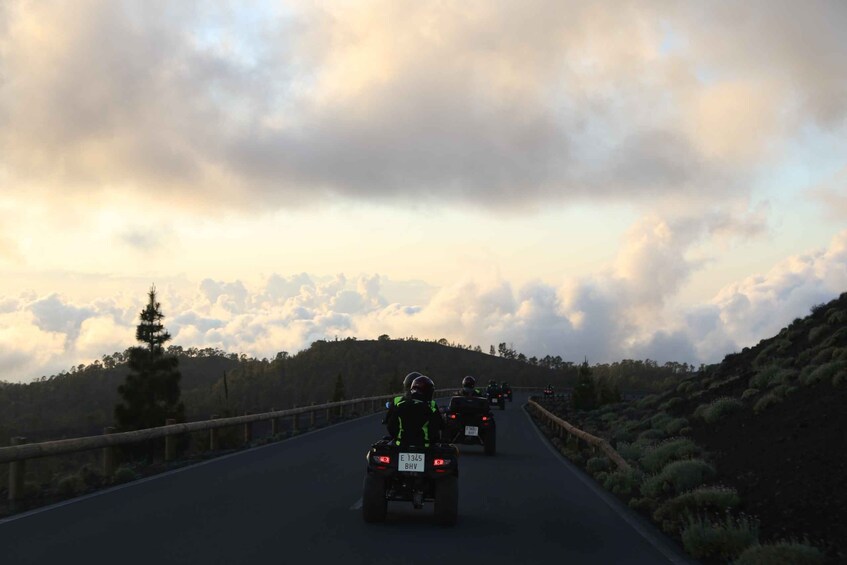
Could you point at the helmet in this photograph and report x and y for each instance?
(407, 382)
(492, 382)
(424, 386)
(468, 382)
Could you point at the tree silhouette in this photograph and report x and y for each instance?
(151, 392)
(584, 393)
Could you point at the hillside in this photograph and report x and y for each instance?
(81, 402)
(768, 423)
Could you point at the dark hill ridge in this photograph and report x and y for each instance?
(82, 402)
(771, 420)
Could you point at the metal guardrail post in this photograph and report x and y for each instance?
(312, 417)
(294, 423)
(108, 455)
(213, 436)
(17, 473)
(170, 442)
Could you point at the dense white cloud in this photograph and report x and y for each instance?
(496, 104)
(605, 317)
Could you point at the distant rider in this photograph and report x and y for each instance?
(416, 420)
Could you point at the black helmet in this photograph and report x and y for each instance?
(424, 386)
(407, 382)
(468, 382)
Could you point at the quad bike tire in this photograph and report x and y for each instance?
(374, 503)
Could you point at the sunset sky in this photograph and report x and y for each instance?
(622, 179)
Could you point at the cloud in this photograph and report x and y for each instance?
(510, 105)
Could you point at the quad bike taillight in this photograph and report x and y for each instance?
(441, 462)
(382, 459)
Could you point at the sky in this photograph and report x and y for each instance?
(604, 180)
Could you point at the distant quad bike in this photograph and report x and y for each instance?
(469, 421)
(548, 392)
(507, 393)
(413, 474)
(496, 398)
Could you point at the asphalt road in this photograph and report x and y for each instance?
(299, 500)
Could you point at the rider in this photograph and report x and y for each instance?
(415, 420)
(492, 387)
(469, 387)
(407, 385)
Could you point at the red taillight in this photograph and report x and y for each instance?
(384, 459)
(452, 416)
(485, 418)
(440, 462)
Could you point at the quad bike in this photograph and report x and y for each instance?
(413, 474)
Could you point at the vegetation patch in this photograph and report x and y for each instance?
(816, 333)
(655, 458)
(725, 539)
(764, 377)
(624, 482)
(652, 435)
(823, 373)
(675, 426)
(781, 553)
(718, 409)
(750, 392)
(678, 477)
(597, 464)
(767, 401)
(649, 401)
(672, 404)
(823, 356)
(712, 500)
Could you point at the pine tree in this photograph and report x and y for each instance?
(584, 393)
(151, 391)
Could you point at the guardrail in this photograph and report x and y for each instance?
(20, 451)
(566, 427)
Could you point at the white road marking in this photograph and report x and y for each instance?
(357, 505)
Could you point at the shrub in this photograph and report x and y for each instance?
(823, 356)
(645, 504)
(125, 475)
(658, 421)
(686, 431)
(764, 377)
(624, 482)
(767, 401)
(840, 378)
(649, 401)
(715, 500)
(597, 464)
(700, 410)
(748, 393)
(677, 477)
(840, 354)
(787, 376)
(685, 387)
(720, 408)
(69, 484)
(836, 316)
(781, 553)
(837, 339)
(629, 451)
(725, 539)
(651, 435)
(655, 458)
(816, 332)
(673, 427)
(824, 372)
(671, 404)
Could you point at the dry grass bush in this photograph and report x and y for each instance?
(678, 477)
(816, 332)
(839, 378)
(750, 392)
(651, 435)
(767, 401)
(598, 464)
(823, 356)
(655, 458)
(671, 404)
(823, 373)
(710, 500)
(764, 377)
(836, 316)
(837, 339)
(675, 426)
(629, 451)
(720, 408)
(781, 553)
(725, 539)
(649, 401)
(624, 482)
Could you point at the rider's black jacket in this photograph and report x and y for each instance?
(415, 421)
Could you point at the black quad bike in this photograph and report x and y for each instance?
(496, 398)
(468, 420)
(507, 393)
(412, 474)
(548, 392)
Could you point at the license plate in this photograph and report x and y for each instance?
(411, 462)
(471, 431)
(493, 401)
